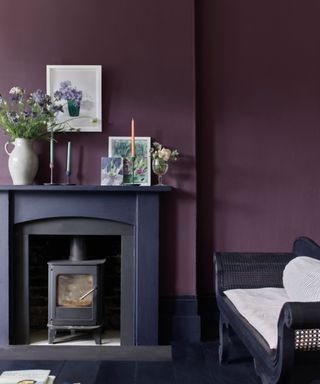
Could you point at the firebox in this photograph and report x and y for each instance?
(75, 293)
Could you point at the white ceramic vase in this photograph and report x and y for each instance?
(23, 162)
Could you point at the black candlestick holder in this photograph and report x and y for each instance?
(131, 180)
(68, 175)
(133, 159)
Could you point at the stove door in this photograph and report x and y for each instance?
(74, 291)
(73, 295)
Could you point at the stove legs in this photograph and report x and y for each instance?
(95, 330)
(97, 334)
(51, 335)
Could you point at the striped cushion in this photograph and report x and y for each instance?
(301, 279)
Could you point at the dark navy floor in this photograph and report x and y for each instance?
(190, 364)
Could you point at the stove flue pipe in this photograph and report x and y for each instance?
(77, 248)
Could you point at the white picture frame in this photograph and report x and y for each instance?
(85, 78)
(121, 146)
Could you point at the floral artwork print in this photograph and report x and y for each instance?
(71, 95)
(121, 146)
(111, 170)
(79, 90)
(140, 170)
(68, 92)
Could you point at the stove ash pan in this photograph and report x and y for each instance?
(75, 299)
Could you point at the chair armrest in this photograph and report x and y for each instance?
(297, 315)
(304, 246)
(249, 270)
(299, 329)
(298, 340)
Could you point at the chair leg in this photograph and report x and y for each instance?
(265, 379)
(224, 339)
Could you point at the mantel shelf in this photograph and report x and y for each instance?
(86, 188)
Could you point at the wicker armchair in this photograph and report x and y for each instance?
(297, 356)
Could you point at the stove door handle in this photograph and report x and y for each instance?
(88, 293)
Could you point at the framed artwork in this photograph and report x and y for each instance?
(140, 171)
(78, 87)
(111, 170)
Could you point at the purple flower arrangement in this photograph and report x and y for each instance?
(29, 117)
(68, 92)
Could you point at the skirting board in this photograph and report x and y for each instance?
(209, 314)
(178, 319)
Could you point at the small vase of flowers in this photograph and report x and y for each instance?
(160, 159)
(26, 119)
(71, 95)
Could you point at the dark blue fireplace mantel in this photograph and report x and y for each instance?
(137, 206)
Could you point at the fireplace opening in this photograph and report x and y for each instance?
(44, 249)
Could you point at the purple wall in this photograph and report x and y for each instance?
(258, 110)
(146, 49)
(259, 126)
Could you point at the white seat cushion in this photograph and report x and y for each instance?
(301, 279)
(261, 308)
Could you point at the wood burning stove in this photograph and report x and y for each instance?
(75, 292)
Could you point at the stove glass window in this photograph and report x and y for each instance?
(74, 291)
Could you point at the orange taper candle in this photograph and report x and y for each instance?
(133, 150)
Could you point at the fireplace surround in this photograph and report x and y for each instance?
(28, 210)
